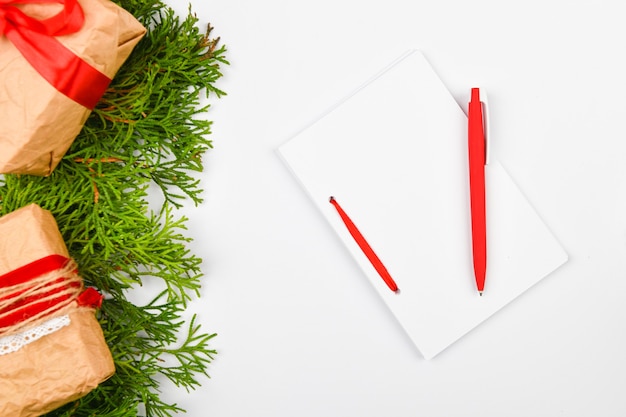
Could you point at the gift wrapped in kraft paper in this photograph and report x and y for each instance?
(52, 349)
(57, 58)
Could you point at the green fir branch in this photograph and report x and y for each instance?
(149, 129)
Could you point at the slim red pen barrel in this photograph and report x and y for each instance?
(476, 151)
(365, 247)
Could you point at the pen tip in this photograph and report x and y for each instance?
(397, 291)
(480, 293)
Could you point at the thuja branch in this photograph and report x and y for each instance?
(149, 128)
(153, 110)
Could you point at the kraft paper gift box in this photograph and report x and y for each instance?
(58, 367)
(37, 121)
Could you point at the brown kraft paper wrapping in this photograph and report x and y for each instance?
(37, 123)
(62, 366)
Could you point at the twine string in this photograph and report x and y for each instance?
(57, 289)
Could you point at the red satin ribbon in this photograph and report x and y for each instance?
(88, 298)
(35, 39)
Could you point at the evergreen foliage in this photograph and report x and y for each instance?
(145, 130)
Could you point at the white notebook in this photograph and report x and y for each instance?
(394, 155)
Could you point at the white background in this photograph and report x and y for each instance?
(300, 330)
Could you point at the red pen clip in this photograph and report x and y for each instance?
(485, 107)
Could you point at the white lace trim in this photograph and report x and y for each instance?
(13, 343)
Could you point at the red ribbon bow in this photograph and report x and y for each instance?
(35, 39)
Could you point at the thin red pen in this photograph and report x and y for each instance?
(365, 247)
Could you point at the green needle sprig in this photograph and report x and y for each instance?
(150, 128)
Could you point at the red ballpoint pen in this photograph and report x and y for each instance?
(477, 162)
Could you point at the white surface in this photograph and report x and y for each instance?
(301, 331)
(402, 176)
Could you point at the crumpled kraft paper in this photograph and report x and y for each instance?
(56, 369)
(28, 234)
(62, 366)
(37, 123)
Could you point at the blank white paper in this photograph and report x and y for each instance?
(394, 155)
